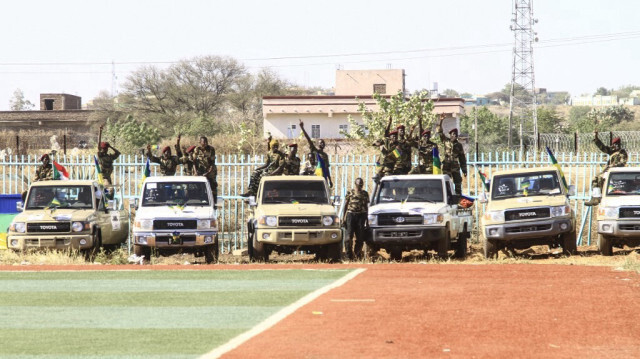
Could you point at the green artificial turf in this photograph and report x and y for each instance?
(141, 314)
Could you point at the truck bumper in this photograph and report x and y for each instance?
(623, 229)
(175, 240)
(62, 241)
(299, 237)
(406, 236)
(529, 229)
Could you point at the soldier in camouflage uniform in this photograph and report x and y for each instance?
(386, 160)
(454, 159)
(168, 163)
(617, 158)
(205, 165)
(425, 152)
(44, 172)
(188, 159)
(403, 153)
(292, 162)
(357, 205)
(274, 165)
(310, 165)
(318, 151)
(105, 159)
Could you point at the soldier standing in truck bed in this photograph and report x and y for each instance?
(44, 172)
(319, 152)
(386, 160)
(188, 159)
(205, 165)
(618, 157)
(274, 165)
(168, 163)
(357, 205)
(292, 161)
(402, 152)
(425, 151)
(454, 159)
(105, 159)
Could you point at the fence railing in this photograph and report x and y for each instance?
(16, 173)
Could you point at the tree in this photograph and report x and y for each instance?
(451, 93)
(625, 91)
(602, 92)
(601, 119)
(128, 134)
(578, 121)
(19, 103)
(492, 129)
(466, 95)
(549, 120)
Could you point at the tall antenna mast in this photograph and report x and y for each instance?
(114, 79)
(522, 100)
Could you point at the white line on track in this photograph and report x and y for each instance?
(277, 317)
(352, 300)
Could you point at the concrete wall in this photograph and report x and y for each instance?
(361, 82)
(74, 120)
(61, 101)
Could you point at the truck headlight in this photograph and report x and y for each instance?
(560, 211)
(80, 226)
(328, 220)
(19, 227)
(270, 221)
(432, 218)
(206, 223)
(609, 212)
(495, 216)
(373, 219)
(144, 224)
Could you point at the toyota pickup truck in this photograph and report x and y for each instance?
(176, 214)
(527, 207)
(619, 210)
(417, 212)
(69, 215)
(291, 214)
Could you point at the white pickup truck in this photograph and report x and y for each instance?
(619, 210)
(176, 214)
(417, 212)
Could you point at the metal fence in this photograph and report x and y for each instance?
(583, 142)
(16, 173)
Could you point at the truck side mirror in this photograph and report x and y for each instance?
(572, 190)
(596, 192)
(482, 198)
(336, 200)
(252, 201)
(19, 206)
(133, 204)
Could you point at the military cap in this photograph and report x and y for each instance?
(616, 140)
(46, 155)
(400, 127)
(425, 132)
(393, 133)
(455, 130)
(104, 145)
(293, 145)
(190, 149)
(165, 149)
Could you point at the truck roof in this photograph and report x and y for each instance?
(411, 177)
(624, 169)
(292, 178)
(175, 179)
(525, 170)
(63, 183)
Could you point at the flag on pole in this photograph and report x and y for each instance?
(147, 172)
(437, 167)
(484, 179)
(98, 171)
(557, 165)
(59, 172)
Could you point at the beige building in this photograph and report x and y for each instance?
(327, 116)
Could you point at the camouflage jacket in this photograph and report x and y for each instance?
(616, 158)
(425, 152)
(291, 166)
(187, 160)
(204, 159)
(453, 154)
(44, 173)
(168, 166)
(106, 162)
(357, 202)
(404, 159)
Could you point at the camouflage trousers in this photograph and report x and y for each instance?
(421, 170)
(355, 226)
(254, 181)
(454, 172)
(214, 187)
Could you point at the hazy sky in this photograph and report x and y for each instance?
(68, 46)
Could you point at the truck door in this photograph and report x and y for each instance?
(103, 217)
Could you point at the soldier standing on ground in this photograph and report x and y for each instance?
(617, 158)
(425, 151)
(205, 165)
(454, 158)
(168, 163)
(357, 205)
(105, 159)
(319, 151)
(275, 164)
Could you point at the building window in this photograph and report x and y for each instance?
(380, 88)
(48, 105)
(315, 131)
(291, 131)
(342, 129)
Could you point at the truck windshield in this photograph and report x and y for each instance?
(175, 194)
(423, 190)
(76, 197)
(294, 192)
(525, 185)
(623, 183)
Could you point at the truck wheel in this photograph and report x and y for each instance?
(90, 254)
(604, 245)
(211, 253)
(369, 251)
(569, 246)
(396, 254)
(142, 251)
(333, 252)
(443, 244)
(250, 245)
(260, 252)
(461, 245)
(490, 247)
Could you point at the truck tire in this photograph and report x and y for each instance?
(443, 244)
(369, 251)
(490, 247)
(142, 251)
(569, 246)
(395, 253)
(604, 245)
(333, 252)
(460, 250)
(90, 253)
(250, 245)
(260, 252)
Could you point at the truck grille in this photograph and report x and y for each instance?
(399, 219)
(629, 212)
(49, 227)
(525, 229)
(527, 213)
(176, 224)
(629, 227)
(299, 221)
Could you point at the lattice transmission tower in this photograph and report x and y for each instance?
(522, 100)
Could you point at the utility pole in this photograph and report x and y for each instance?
(522, 98)
(114, 79)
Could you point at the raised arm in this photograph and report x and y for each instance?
(116, 153)
(100, 136)
(386, 130)
(151, 157)
(604, 148)
(440, 131)
(312, 147)
(178, 149)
